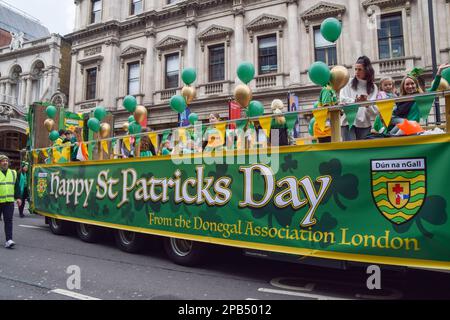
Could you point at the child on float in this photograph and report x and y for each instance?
(409, 110)
(213, 140)
(387, 91)
(327, 98)
(279, 127)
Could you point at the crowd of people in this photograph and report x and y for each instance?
(367, 124)
(362, 88)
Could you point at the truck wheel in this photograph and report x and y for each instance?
(88, 233)
(185, 252)
(128, 241)
(59, 227)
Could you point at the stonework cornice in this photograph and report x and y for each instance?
(170, 42)
(215, 32)
(266, 21)
(321, 11)
(132, 52)
(389, 4)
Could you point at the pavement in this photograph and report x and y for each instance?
(43, 266)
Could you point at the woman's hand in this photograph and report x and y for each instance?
(442, 67)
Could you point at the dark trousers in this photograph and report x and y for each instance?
(22, 206)
(7, 211)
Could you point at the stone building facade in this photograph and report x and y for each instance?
(139, 47)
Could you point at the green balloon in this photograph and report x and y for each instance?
(189, 76)
(311, 127)
(193, 118)
(130, 103)
(53, 136)
(246, 72)
(131, 119)
(100, 113)
(94, 124)
(331, 29)
(319, 73)
(135, 128)
(255, 109)
(51, 112)
(446, 74)
(178, 104)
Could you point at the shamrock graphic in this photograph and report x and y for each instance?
(289, 164)
(434, 211)
(342, 185)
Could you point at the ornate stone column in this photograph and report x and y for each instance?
(74, 84)
(239, 14)
(294, 40)
(28, 97)
(191, 25)
(149, 87)
(22, 92)
(111, 75)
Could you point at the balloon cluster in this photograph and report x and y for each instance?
(319, 72)
(104, 129)
(139, 117)
(49, 124)
(243, 94)
(179, 103)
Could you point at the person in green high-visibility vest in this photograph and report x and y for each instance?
(8, 187)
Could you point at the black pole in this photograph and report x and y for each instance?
(433, 57)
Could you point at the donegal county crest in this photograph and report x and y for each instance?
(41, 187)
(399, 187)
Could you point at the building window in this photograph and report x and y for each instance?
(134, 75)
(217, 63)
(137, 7)
(96, 15)
(325, 51)
(267, 54)
(172, 70)
(390, 37)
(91, 84)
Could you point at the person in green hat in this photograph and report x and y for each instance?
(22, 186)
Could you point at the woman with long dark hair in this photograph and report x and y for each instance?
(360, 89)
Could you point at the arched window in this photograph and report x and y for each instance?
(37, 76)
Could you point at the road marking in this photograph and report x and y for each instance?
(251, 299)
(297, 294)
(73, 294)
(32, 227)
(309, 287)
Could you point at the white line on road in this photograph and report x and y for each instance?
(297, 294)
(73, 294)
(32, 227)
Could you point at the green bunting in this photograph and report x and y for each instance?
(291, 120)
(424, 104)
(350, 114)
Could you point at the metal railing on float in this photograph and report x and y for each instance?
(112, 148)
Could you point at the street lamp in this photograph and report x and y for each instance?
(433, 56)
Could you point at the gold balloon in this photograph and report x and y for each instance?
(443, 86)
(105, 130)
(339, 77)
(189, 94)
(49, 124)
(126, 126)
(243, 95)
(140, 114)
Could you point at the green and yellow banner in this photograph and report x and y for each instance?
(384, 201)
